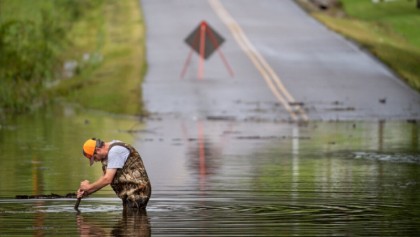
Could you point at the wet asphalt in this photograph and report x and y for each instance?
(286, 67)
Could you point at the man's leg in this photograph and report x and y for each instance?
(140, 202)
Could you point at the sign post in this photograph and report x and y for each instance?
(204, 40)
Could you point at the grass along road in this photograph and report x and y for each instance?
(389, 30)
(116, 34)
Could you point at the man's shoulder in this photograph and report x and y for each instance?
(118, 148)
(117, 144)
(117, 156)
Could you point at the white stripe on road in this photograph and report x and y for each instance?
(271, 78)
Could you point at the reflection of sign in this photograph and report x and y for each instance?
(205, 153)
(204, 40)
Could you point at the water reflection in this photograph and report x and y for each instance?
(39, 221)
(215, 177)
(202, 153)
(131, 223)
(205, 149)
(89, 229)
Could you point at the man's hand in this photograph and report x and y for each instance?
(89, 188)
(83, 189)
(84, 185)
(80, 193)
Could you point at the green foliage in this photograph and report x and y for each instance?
(33, 37)
(113, 38)
(387, 29)
(401, 16)
(98, 46)
(27, 59)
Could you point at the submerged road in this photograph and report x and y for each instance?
(286, 65)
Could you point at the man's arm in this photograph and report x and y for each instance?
(106, 179)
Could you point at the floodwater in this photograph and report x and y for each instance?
(215, 176)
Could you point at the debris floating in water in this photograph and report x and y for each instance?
(46, 196)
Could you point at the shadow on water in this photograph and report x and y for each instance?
(215, 177)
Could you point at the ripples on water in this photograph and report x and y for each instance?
(244, 213)
(221, 179)
(388, 157)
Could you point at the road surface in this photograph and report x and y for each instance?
(286, 65)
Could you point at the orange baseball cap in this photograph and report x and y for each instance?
(89, 149)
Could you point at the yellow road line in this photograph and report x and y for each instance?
(270, 77)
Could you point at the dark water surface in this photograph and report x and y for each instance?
(215, 177)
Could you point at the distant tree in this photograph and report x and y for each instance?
(418, 4)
